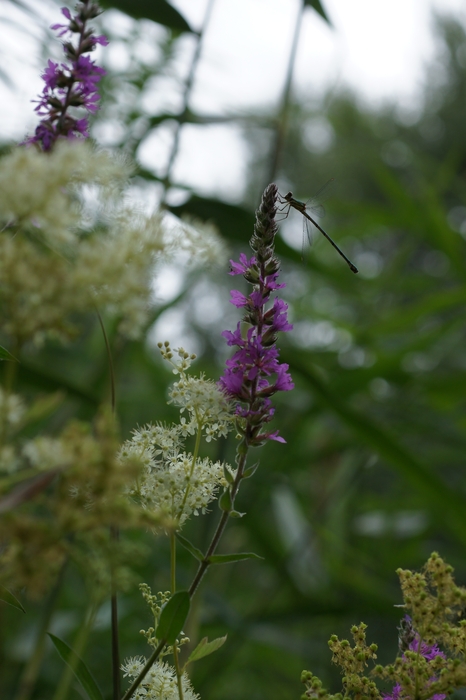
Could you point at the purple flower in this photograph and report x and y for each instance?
(72, 84)
(248, 376)
(411, 640)
(238, 299)
(239, 268)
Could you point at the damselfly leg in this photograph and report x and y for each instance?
(306, 209)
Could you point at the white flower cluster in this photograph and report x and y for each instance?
(207, 405)
(45, 453)
(173, 482)
(71, 242)
(40, 191)
(12, 410)
(160, 681)
(200, 240)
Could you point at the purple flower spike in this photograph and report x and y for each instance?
(248, 376)
(72, 84)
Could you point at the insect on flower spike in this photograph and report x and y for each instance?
(288, 199)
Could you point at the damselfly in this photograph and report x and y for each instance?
(303, 207)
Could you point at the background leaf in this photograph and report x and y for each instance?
(204, 648)
(318, 7)
(5, 355)
(158, 11)
(9, 598)
(78, 667)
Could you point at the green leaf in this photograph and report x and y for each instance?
(234, 222)
(197, 554)
(9, 598)
(230, 558)
(173, 617)
(78, 667)
(236, 514)
(317, 5)
(224, 502)
(250, 471)
(228, 475)
(5, 355)
(159, 11)
(204, 648)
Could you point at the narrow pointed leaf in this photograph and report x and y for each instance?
(250, 471)
(197, 554)
(173, 617)
(317, 6)
(78, 667)
(158, 11)
(204, 648)
(230, 558)
(9, 598)
(5, 355)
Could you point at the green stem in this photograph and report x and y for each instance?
(31, 671)
(282, 121)
(191, 472)
(205, 563)
(110, 360)
(114, 534)
(186, 97)
(79, 645)
(173, 590)
(172, 562)
(9, 380)
(179, 672)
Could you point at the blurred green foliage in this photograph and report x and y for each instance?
(372, 475)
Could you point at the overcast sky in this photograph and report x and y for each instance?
(378, 47)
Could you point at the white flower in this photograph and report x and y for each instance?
(133, 666)
(47, 453)
(160, 681)
(12, 408)
(172, 481)
(70, 241)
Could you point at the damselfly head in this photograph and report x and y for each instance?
(288, 196)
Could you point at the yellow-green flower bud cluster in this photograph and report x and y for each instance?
(432, 663)
(79, 493)
(156, 601)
